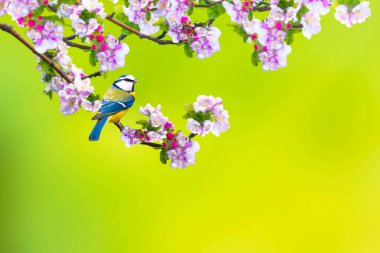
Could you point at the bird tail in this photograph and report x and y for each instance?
(95, 133)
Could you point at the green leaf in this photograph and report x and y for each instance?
(92, 97)
(148, 16)
(47, 78)
(188, 50)
(126, 3)
(38, 12)
(144, 123)
(191, 10)
(189, 107)
(191, 114)
(85, 15)
(302, 12)
(215, 11)
(69, 1)
(50, 53)
(350, 3)
(93, 59)
(207, 115)
(46, 68)
(52, 18)
(164, 26)
(121, 17)
(250, 16)
(283, 4)
(289, 37)
(49, 94)
(240, 31)
(163, 156)
(255, 58)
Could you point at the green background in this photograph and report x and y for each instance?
(298, 171)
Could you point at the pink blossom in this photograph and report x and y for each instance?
(355, 16)
(311, 24)
(47, 38)
(21, 8)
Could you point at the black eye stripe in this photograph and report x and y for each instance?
(129, 80)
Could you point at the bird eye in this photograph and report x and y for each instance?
(128, 80)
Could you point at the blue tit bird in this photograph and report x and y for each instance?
(115, 104)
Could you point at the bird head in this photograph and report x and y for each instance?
(125, 83)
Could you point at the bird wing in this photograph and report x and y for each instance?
(110, 107)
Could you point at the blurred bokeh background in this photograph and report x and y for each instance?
(298, 171)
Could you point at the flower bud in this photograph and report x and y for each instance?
(99, 38)
(31, 23)
(170, 136)
(20, 20)
(168, 125)
(278, 25)
(184, 20)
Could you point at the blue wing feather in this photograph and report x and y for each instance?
(110, 107)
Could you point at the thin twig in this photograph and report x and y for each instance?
(138, 33)
(73, 44)
(161, 35)
(9, 29)
(210, 21)
(151, 144)
(98, 73)
(122, 36)
(297, 26)
(119, 125)
(71, 37)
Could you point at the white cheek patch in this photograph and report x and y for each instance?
(124, 85)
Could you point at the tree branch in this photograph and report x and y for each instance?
(122, 36)
(9, 29)
(73, 44)
(297, 26)
(98, 73)
(161, 35)
(71, 37)
(151, 144)
(138, 33)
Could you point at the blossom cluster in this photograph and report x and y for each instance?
(206, 115)
(273, 35)
(350, 16)
(47, 22)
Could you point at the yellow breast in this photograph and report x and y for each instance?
(117, 116)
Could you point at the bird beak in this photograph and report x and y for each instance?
(136, 81)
